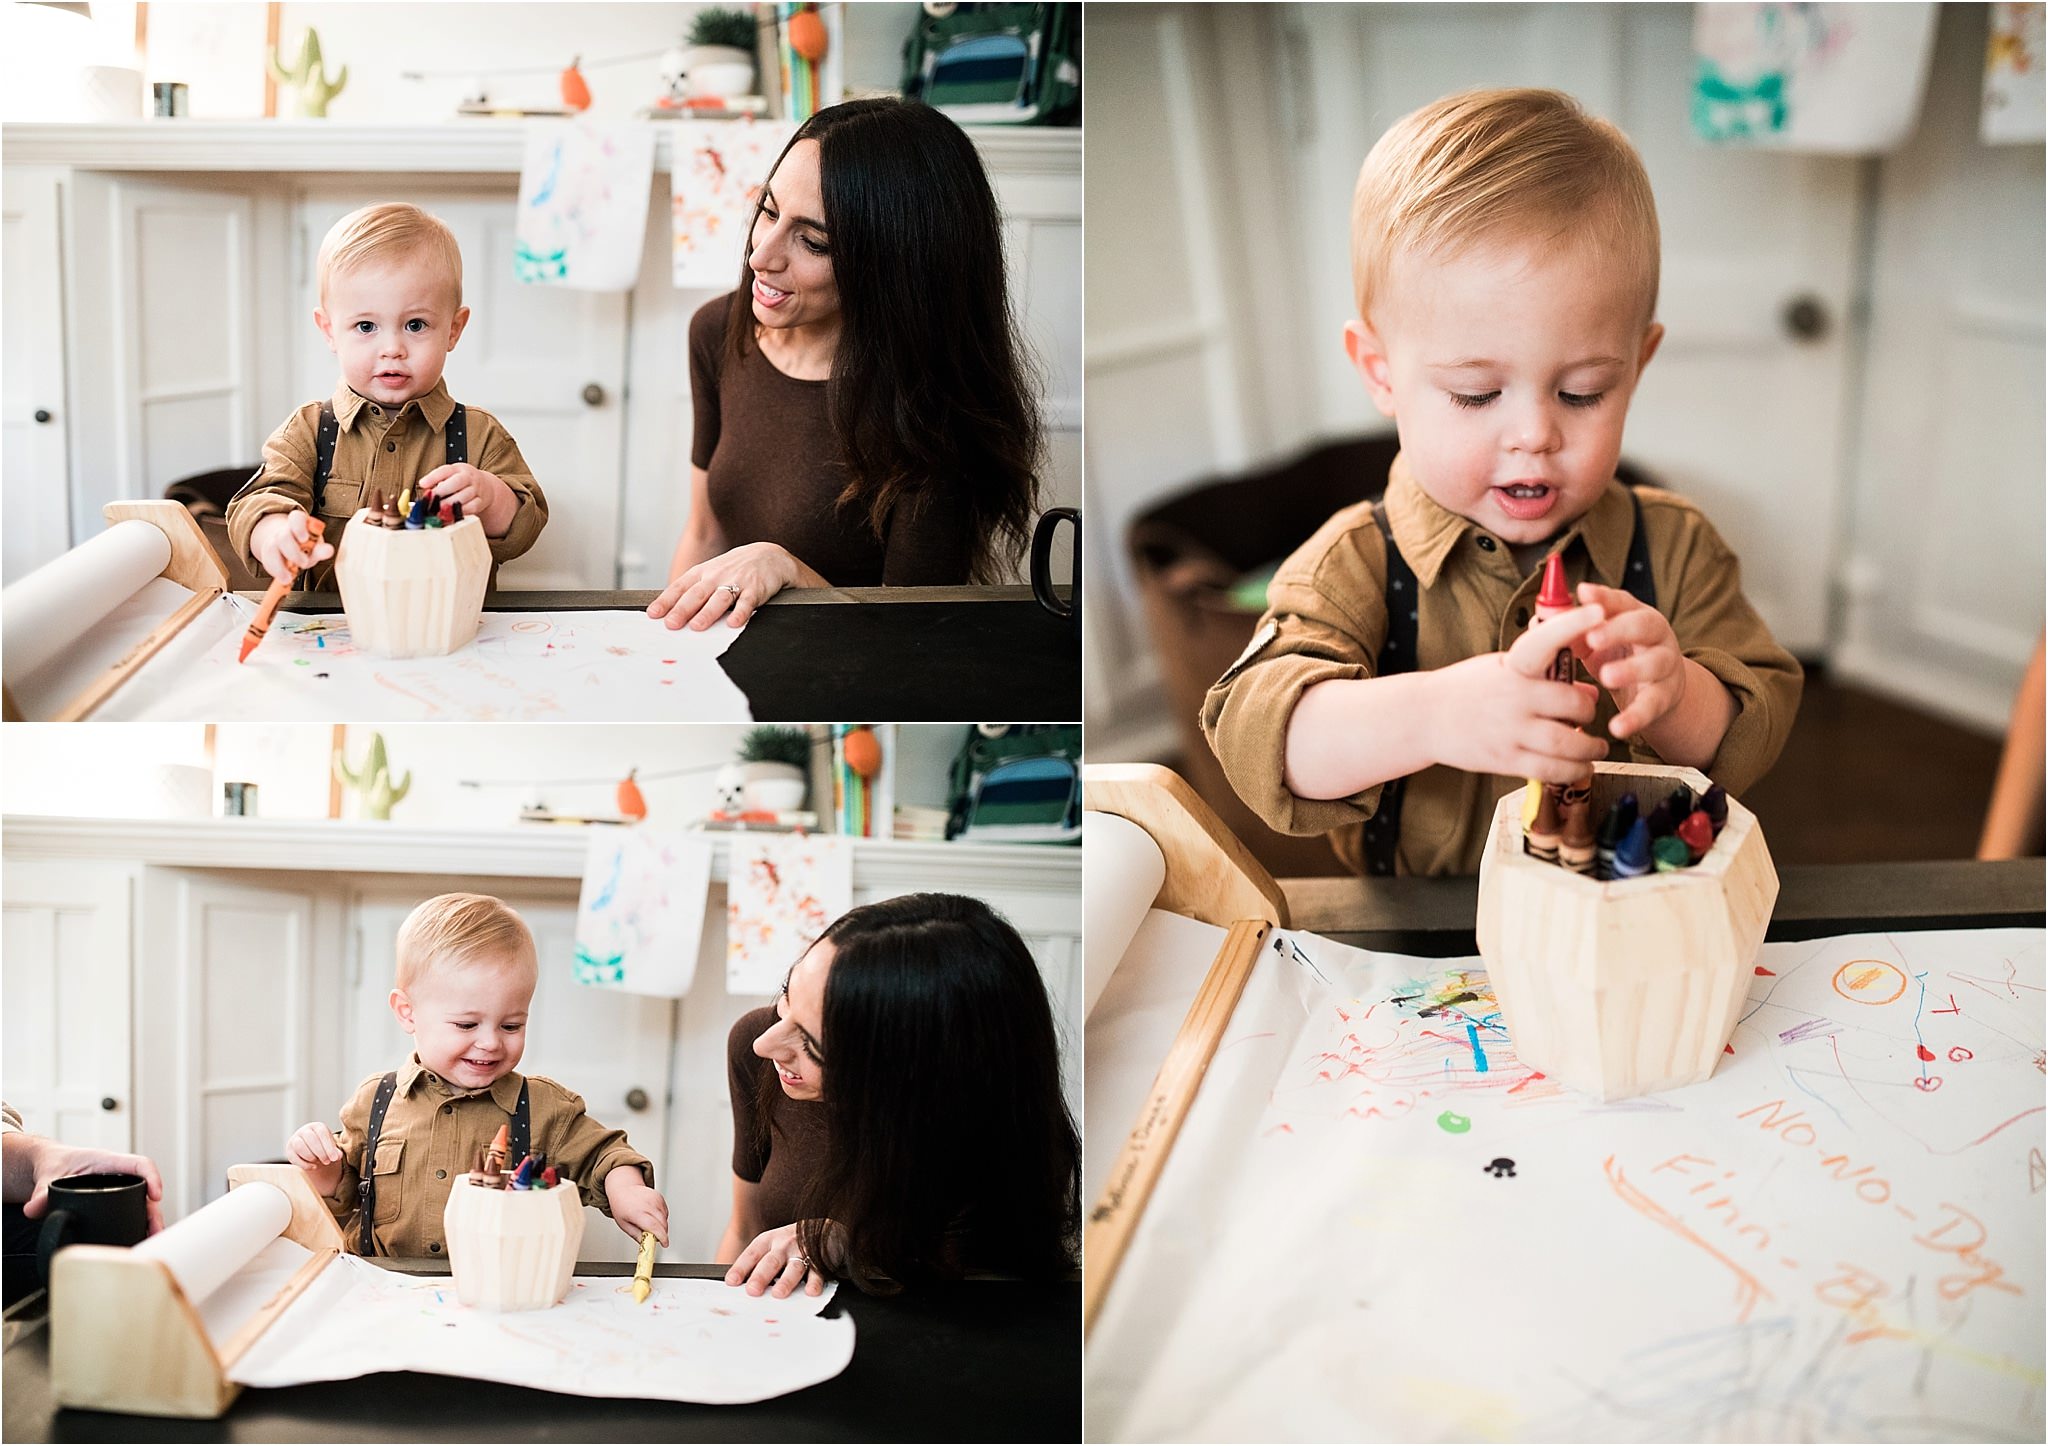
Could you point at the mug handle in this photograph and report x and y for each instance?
(56, 1226)
(1041, 558)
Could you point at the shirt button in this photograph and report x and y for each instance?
(447, 1109)
(1485, 544)
(391, 446)
(433, 1247)
(440, 1174)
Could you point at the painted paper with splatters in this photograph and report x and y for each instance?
(715, 175)
(583, 194)
(781, 891)
(640, 917)
(1834, 79)
(2015, 100)
(1836, 1237)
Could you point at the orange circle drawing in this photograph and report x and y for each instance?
(531, 625)
(1870, 981)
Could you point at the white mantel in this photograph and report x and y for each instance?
(527, 851)
(449, 147)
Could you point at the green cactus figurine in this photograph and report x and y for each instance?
(373, 782)
(309, 75)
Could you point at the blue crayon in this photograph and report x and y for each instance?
(1632, 854)
(417, 518)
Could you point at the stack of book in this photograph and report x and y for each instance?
(920, 825)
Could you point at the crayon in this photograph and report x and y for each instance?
(1544, 834)
(1620, 818)
(1532, 798)
(1660, 821)
(432, 524)
(1696, 832)
(1682, 803)
(549, 1179)
(1632, 854)
(494, 1158)
(1553, 599)
(456, 508)
(416, 515)
(643, 1271)
(1714, 804)
(1670, 854)
(1575, 848)
(522, 1178)
(260, 625)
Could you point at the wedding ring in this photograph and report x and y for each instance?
(727, 587)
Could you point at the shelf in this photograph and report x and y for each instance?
(445, 147)
(521, 851)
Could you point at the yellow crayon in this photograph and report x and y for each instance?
(643, 1273)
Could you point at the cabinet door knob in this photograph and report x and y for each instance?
(1806, 318)
(636, 1099)
(41, 415)
(108, 1102)
(593, 395)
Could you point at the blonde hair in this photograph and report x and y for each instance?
(1489, 165)
(389, 231)
(457, 929)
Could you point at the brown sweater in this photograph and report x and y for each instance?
(766, 445)
(795, 1148)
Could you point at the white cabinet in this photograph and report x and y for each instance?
(34, 406)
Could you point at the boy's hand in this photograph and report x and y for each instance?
(278, 543)
(481, 494)
(1635, 656)
(314, 1149)
(1497, 713)
(636, 1208)
(773, 1264)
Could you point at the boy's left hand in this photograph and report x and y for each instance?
(481, 494)
(1635, 656)
(636, 1207)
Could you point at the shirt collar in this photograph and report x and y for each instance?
(504, 1090)
(436, 406)
(1427, 532)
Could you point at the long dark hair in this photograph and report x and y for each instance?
(930, 386)
(949, 1142)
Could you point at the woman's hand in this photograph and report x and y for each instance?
(734, 583)
(773, 1265)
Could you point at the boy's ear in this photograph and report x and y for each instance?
(401, 1005)
(1369, 360)
(455, 327)
(326, 325)
(1651, 339)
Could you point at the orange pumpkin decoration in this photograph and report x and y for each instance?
(631, 804)
(864, 752)
(575, 89)
(807, 35)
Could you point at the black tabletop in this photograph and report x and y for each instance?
(901, 654)
(980, 1360)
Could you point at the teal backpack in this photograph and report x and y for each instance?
(1021, 786)
(997, 64)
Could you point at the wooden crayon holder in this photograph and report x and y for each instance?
(412, 593)
(124, 1337)
(1628, 986)
(512, 1249)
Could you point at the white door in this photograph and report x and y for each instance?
(611, 1048)
(65, 992)
(35, 464)
(548, 362)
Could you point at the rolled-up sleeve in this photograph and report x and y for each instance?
(1719, 629)
(499, 455)
(579, 1146)
(285, 484)
(1306, 637)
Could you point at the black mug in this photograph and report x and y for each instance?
(1041, 566)
(93, 1210)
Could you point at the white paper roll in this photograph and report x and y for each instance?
(215, 1241)
(57, 604)
(1121, 874)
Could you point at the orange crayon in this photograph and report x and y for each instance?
(314, 528)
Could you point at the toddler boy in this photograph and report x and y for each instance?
(391, 309)
(1504, 254)
(466, 973)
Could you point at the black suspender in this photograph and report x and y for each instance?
(454, 437)
(366, 1189)
(1382, 832)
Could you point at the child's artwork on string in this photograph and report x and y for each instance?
(2015, 99)
(583, 194)
(640, 917)
(1837, 1237)
(716, 173)
(1842, 79)
(781, 891)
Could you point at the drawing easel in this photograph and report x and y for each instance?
(124, 1337)
(1212, 877)
(190, 563)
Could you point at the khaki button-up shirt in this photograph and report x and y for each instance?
(1326, 618)
(380, 447)
(432, 1132)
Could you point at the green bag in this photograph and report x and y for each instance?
(997, 64)
(1021, 786)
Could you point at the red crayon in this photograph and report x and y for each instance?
(1697, 833)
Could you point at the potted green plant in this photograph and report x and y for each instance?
(772, 769)
(718, 57)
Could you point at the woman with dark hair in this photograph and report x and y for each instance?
(897, 1112)
(864, 413)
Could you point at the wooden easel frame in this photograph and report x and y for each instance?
(1210, 876)
(123, 1337)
